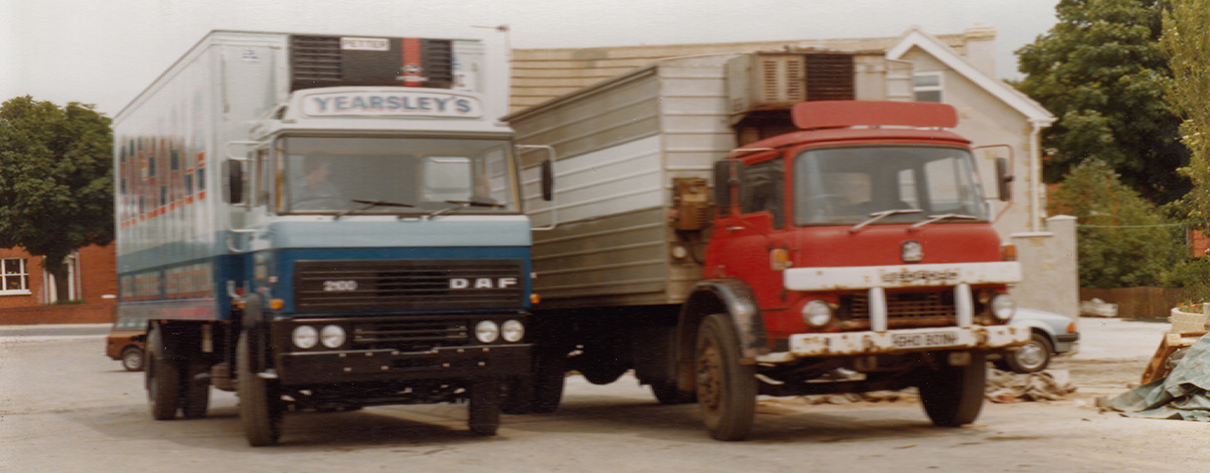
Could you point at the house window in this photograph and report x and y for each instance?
(14, 276)
(927, 87)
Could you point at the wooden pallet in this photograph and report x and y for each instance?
(1158, 367)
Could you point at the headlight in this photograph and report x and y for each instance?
(487, 331)
(512, 331)
(305, 336)
(1003, 307)
(817, 314)
(332, 336)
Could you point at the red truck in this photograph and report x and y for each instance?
(839, 246)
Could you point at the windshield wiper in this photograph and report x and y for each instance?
(876, 216)
(461, 204)
(940, 217)
(369, 204)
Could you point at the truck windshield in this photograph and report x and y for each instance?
(375, 175)
(839, 186)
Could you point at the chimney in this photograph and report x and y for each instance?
(980, 48)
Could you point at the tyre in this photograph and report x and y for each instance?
(667, 393)
(132, 359)
(163, 377)
(1033, 357)
(953, 395)
(726, 389)
(484, 410)
(196, 396)
(260, 405)
(541, 391)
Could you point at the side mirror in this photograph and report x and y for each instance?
(233, 181)
(1004, 179)
(548, 180)
(722, 185)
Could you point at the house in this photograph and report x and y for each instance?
(958, 69)
(26, 288)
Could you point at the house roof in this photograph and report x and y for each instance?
(917, 38)
(539, 75)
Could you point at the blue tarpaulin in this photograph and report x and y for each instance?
(1184, 394)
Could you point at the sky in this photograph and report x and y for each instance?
(105, 52)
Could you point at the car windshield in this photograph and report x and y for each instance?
(838, 186)
(372, 175)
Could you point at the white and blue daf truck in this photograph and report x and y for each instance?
(325, 222)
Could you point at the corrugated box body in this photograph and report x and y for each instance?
(620, 144)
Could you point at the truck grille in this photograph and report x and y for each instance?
(328, 286)
(420, 334)
(903, 305)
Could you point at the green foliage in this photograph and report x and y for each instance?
(56, 182)
(1123, 240)
(1101, 71)
(1187, 41)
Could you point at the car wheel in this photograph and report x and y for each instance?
(132, 359)
(1033, 357)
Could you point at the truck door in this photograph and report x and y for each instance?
(756, 241)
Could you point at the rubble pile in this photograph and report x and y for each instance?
(1006, 386)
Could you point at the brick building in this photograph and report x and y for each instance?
(26, 290)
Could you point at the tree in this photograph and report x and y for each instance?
(1124, 241)
(1187, 41)
(56, 181)
(1102, 72)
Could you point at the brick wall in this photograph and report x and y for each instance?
(58, 314)
(98, 278)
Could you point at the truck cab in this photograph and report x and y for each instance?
(865, 248)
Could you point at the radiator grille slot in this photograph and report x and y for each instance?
(408, 284)
(411, 335)
(904, 305)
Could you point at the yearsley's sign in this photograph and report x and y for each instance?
(405, 104)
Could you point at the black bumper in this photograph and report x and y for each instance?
(355, 366)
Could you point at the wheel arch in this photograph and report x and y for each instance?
(719, 296)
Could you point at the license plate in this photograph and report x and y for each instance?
(924, 339)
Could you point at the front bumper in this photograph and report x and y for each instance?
(355, 366)
(812, 345)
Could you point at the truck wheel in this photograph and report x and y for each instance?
(669, 394)
(260, 406)
(1031, 358)
(726, 389)
(163, 377)
(132, 359)
(484, 409)
(953, 395)
(541, 391)
(196, 398)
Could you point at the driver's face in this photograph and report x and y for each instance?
(318, 174)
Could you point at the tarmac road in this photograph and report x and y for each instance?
(65, 407)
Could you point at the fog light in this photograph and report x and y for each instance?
(1003, 307)
(487, 331)
(512, 331)
(332, 336)
(817, 314)
(305, 336)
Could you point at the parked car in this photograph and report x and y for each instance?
(125, 343)
(1052, 334)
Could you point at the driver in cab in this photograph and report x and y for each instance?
(315, 191)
